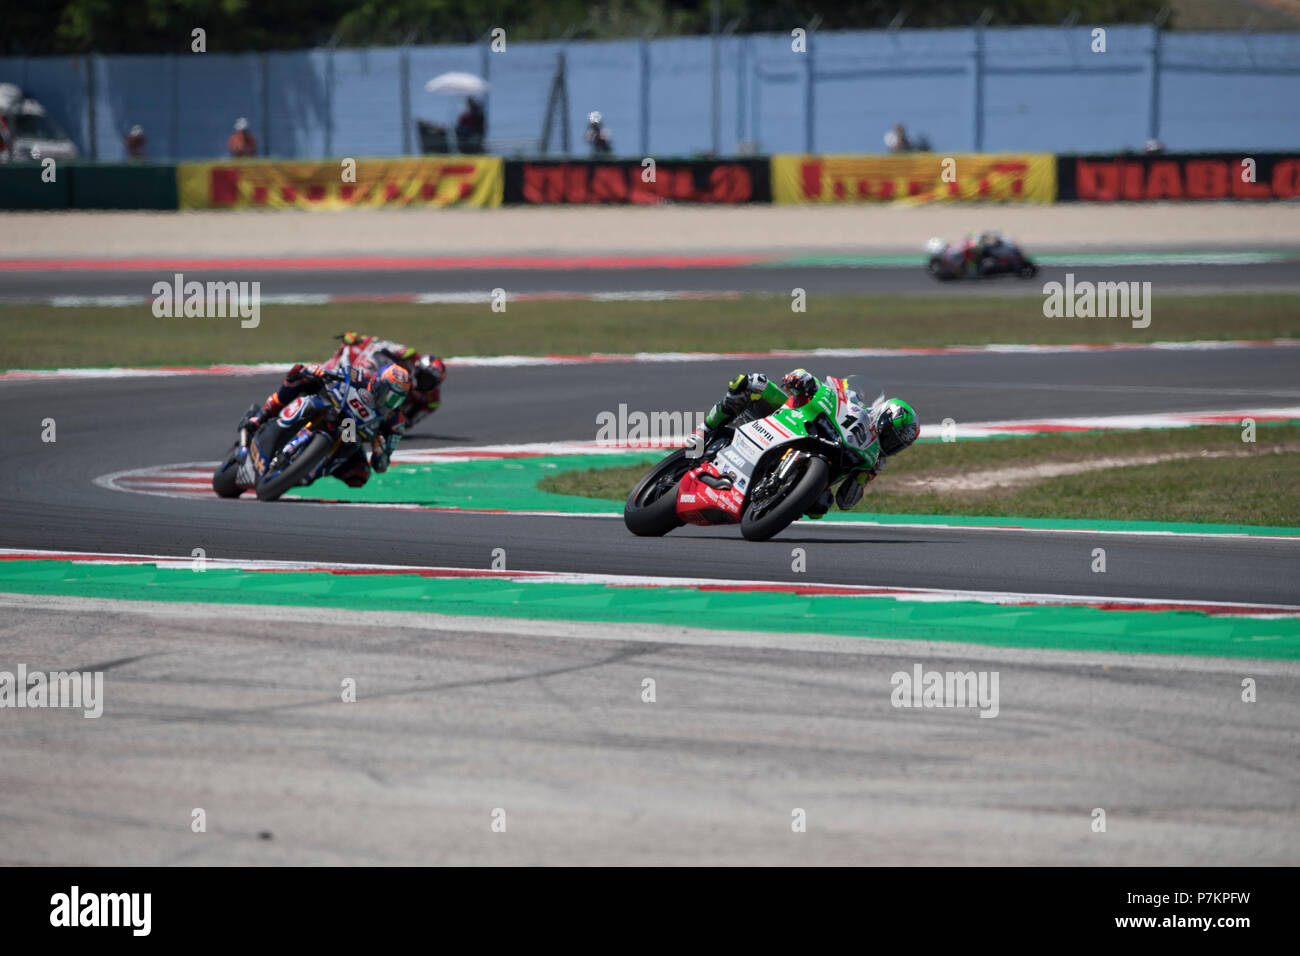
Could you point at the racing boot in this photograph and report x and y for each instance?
(819, 507)
(848, 495)
(272, 407)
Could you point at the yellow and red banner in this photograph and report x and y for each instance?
(342, 184)
(914, 178)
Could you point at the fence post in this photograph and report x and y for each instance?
(404, 78)
(92, 129)
(809, 99)
(175, 65)
(266, 103)
(1154, 130)
(977, 114)
(485, 54)
(564, 102)
(645, 96)
(329, 102)
(742, 50)
(715, 108)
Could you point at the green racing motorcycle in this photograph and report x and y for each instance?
(762, 472)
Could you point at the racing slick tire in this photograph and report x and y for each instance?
(940, 271)
(651, 509)
(317, 447)
(1027, 270)
(759, 524)
(223, 479)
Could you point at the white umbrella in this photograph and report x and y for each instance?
(457, 83)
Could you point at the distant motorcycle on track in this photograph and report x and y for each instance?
(991, 254)
(762, 473)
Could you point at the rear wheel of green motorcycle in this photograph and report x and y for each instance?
(223, 479)
(308, 457)
(651, 509)
(764, 519)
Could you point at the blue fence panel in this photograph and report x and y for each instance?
(298, 117)
(681, 88)
(366, 103)
(1225, 91)
(1025, 88)
(607, 77)
(867, 82)
(778, 94)
(214, 90)
(521, 83)
(1047, 91)
(132, 90)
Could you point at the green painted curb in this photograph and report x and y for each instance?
(1059, 628)
(504, 484)
(510, 484)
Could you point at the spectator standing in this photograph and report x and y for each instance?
(135, 142)
(597, 134)
(241, 142)
(896, 140)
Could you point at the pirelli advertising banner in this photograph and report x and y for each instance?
(340, 184)
(638, 181)
(914, 178)
(1258, 176)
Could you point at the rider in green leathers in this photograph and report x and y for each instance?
(896, 426)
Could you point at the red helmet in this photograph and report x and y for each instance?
(391, 386)
(429, 373)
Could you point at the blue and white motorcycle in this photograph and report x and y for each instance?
(313, 436)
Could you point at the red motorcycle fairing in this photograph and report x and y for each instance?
(697, 503)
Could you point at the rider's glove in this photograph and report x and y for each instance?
(304, 374)
(734, 403)
(800, 382)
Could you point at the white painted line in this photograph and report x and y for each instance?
(513, 361)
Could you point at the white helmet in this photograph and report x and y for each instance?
(594, 117)
(241, 123)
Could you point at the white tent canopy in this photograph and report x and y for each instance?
(466, 84)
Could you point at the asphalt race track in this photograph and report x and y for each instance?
(820, 279)
(99, 433)
(225, 711)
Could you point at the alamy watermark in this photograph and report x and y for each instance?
(211, 300)
(76, 690)
(1102, 300)
(922, 688)
(75, 908)
(624, 429)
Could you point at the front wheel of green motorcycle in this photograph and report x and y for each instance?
(771, 514)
